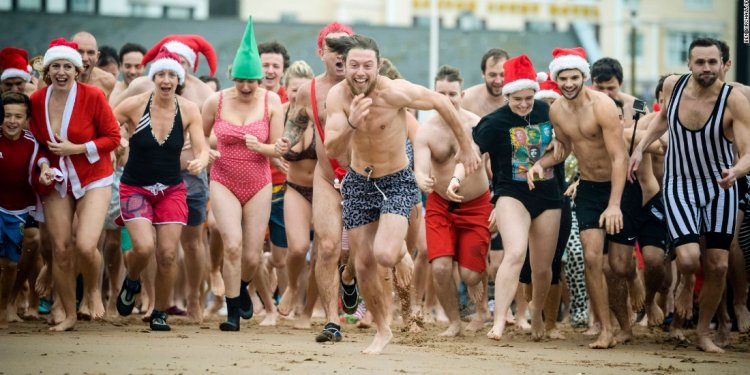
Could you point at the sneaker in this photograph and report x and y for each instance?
(126, 298)
(331, 332)
(159, 321)
(349, 294)
(45, 306)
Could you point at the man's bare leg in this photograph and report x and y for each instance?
(715, 272)
(551, 310)
(476, 285)
(327, 208)
(523, 296)
(622, 271)
(723, 322)
(7, 278)
(447, 293)
(113, 261)
(262, 283)
(368, 263)
(216, 253)
(738, 280)
(194, 258)
(654, 270)
(593, 243)
(311, 297)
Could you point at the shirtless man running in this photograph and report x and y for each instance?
(458, 207)
(91, 74)
(483, 99)
(587, 123)
(367, 113)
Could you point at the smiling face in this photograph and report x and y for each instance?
(89, 51)
(521, 102)
(494, 76)
(131, 66)
(165, 83)
(705, 64)
(273, 69)
(15, 121)
(61, 74)
(570, 83)
(361, 70)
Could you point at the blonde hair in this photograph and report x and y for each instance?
(388, 69)
(298, 69)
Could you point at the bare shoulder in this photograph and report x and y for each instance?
(187, 105)
(470, 117)
(139, 85)
(743, 89)
(472, 91)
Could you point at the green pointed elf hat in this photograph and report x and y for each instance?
(247, 61)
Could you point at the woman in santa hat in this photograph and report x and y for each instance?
(77, 132)
(152, 192)
(516, 136)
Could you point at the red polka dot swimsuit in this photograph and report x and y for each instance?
(243, 171)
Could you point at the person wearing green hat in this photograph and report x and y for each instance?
(247, 119)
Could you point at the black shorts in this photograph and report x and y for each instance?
(364, 199)
(566, 223)
(592, 199)
(652, 224)
(496, 243)
(530, 199)
(31, 222)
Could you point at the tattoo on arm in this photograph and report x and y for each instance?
(295, 126)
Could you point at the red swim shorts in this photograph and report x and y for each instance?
(159, 206)
(459, 230)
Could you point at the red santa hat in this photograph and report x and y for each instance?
(187, 46)
(519, 75)
(166, 60)
(548, 89)
(62, 49)
(14, 63)
(569, 58)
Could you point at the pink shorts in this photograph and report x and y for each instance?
(159, 206)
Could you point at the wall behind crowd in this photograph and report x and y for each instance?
(408, 48)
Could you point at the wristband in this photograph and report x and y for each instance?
(350, 124)
(457, 179)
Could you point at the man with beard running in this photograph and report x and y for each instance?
(367, 114)
(483, 99)
(705, 118)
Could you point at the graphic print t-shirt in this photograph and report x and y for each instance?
(514, 145)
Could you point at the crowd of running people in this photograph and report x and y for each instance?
(132, 186)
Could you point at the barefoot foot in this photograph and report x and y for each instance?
(453, 330)
(605, 341)
(379, 342)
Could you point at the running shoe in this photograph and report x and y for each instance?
(331, 332)
(126, 298)
(159, 321)
(349, 294)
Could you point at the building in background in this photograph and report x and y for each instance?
(664, 28)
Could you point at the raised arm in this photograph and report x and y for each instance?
(197, 137)
(657, 126)
(339, 126)
(423, 160)
(421, 98)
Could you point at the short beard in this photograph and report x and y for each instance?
(706, 82)
(367, 91)
(491, 92)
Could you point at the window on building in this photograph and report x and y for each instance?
(29, 5)
(678, 44)
(81, 6)
(638, 45)
(138, 10)
(699, 4)
(178, 12)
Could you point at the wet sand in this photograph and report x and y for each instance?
(127, 346)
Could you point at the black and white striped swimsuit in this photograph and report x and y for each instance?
(695, 203)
